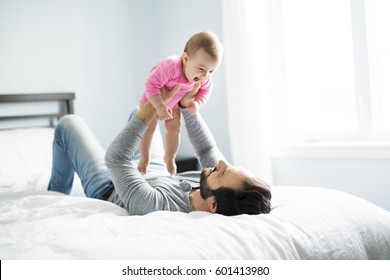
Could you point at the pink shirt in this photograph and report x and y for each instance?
(168, 73)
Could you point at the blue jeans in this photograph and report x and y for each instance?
(76, 149)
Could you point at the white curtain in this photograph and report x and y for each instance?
(247, 55)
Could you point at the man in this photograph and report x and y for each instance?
(219, 188)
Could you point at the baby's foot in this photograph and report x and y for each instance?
(171, 165)
(143, 165)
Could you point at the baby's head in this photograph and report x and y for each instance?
(202, 56)
(207, 41)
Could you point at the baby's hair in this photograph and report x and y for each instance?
(207, 41)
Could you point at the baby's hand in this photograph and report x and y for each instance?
(164, 112)
(193, 107)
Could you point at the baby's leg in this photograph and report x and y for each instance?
(144, 147)
(172, 140)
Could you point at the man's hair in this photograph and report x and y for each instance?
(254, 198)
(207, 41)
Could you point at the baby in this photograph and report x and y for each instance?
(192, 72)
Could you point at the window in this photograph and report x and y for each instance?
(333, 80)
(379, 31)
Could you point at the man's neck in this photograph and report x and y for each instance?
(198, 203)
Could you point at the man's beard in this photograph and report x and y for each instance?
(205, 191)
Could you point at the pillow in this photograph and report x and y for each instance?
(24, 152)
(26, 158)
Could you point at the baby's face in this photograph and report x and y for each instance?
(199, 66)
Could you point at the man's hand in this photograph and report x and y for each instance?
(190, 96)
(167, 95)
(148, 112)
(193, 107)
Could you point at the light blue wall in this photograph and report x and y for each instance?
(103, 50)
(81, 46)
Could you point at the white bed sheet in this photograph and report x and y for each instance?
(305, 222)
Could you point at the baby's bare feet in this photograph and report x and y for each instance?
(143, 165)
(171, 165)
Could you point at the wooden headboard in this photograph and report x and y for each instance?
(65, 100)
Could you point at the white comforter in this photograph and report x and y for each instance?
(305, 223)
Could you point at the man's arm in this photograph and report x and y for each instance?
(135, 192)
(202, 139)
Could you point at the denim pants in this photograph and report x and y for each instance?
(76, 149)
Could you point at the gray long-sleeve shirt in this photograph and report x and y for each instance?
(141, 195)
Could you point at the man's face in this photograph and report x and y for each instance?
(204, 188)
(222, 175)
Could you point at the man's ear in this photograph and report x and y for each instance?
(184, 58)
(212, 204)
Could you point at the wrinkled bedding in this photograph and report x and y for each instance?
(305, 222)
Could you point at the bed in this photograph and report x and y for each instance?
(305, 222)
